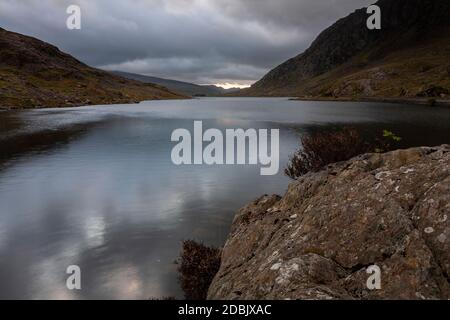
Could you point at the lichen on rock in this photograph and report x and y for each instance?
(317, 241)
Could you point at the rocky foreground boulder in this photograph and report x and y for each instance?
(391, 210)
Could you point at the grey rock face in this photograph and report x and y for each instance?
(391, 210)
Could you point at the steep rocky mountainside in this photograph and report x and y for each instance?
(36, 74)
(407, 57)
(391, 210)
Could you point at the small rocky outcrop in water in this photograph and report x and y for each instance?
(391, 210)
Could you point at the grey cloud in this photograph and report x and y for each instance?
(203, 41)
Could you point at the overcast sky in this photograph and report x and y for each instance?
(200, 41)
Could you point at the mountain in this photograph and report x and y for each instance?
(222, 90)
(408, 57)
(36, 74)
(186, 88)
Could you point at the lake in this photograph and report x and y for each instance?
(95, 186)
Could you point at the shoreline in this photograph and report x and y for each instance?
(414, 101)
(80, 105)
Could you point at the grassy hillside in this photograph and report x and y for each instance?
(36, 74)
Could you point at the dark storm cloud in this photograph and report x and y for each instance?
(203, 41)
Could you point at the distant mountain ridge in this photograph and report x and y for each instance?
(36, 74)
(407, 57)
(185, 88)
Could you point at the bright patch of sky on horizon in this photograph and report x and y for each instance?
(232, 85)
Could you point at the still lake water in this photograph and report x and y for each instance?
(95, 186)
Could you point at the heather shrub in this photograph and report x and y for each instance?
(198, 266)
(321, 149)
(324, 148)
